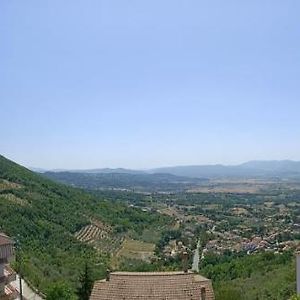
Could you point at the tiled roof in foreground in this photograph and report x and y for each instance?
(153, 285)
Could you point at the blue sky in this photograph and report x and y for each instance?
(119, 83)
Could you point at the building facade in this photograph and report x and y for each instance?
(153, 285)
(7, 275)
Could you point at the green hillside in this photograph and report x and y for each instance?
(44, 217)
(263, 276)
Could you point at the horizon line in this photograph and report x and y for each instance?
(160, 167)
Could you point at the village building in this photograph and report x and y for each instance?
(7, 275)
(153, 285)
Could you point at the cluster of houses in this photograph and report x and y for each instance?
(230, 241)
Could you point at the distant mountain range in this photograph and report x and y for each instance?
(91, 171)
(251, 169)
(282, 169)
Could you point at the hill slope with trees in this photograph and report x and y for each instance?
(43, 217)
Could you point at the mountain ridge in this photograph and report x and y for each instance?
(260, 166)
(255, 168)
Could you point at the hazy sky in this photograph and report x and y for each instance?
(120, 83)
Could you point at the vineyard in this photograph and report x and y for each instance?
(100, 236)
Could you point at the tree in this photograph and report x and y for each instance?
(60, 291)
(229, 293)
(86, 283)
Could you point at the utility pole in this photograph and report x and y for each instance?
(20, 283)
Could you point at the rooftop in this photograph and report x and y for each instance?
(5, 240)
(153, 285)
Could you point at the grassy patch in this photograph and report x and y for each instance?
(136, 250)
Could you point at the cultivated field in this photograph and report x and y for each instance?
(136, 250)
(100, 237)
(5, 184)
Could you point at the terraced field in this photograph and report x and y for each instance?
(5, 184)
(14, 199)
(101, 237)
(91, 233)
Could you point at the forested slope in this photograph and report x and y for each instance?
(259, 276)
(44, 217)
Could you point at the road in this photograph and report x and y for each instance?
(28, 293)
(196, 258)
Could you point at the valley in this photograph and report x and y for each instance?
(235, 231)
(247, 228)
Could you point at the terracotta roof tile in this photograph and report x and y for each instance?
(153, 285)
(5, 240)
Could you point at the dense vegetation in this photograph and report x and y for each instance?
(43, 216)
(264, 276)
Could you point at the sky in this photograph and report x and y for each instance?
(142, 84)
